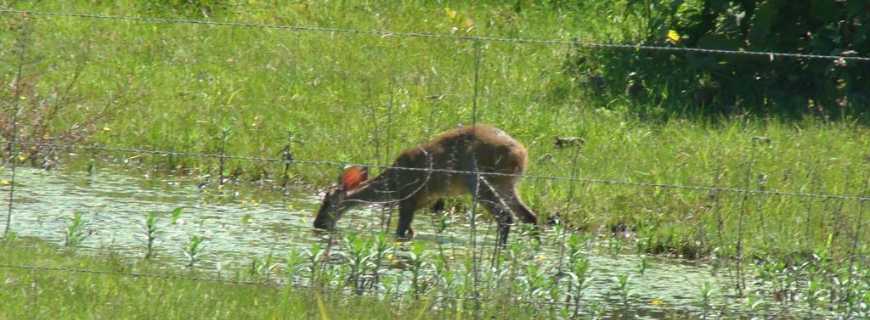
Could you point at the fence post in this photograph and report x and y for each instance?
(21, 45)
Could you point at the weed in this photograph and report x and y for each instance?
(175, 215)
(622, 287)
(76, 231)
(706, 293)
(417, 265)
(295, 262)
(193, 250)
(151, 232)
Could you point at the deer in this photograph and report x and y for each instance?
(479, 160)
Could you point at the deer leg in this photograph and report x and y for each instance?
(438, 206)
(516, 205)
(519, 208)
(502, 216)
(497, 206)
(507, 192)
(406, 215)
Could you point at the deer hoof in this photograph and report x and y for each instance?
(409, 234)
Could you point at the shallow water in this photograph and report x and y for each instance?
(242, 225)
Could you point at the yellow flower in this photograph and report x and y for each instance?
(394, 261)
(673, 37)
(656, 302)
(468, 24)
(450, 13)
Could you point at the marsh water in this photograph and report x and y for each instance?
(240, 225)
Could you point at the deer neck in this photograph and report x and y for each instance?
(372, 191)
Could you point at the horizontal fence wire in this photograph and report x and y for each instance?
(405, 34)
(264, 283)
(129, 274)
(602, 181)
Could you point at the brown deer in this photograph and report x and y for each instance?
(443, 167)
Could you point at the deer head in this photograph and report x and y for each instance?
(334, 204)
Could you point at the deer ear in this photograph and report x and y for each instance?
(353, 176)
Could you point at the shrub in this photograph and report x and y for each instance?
(727, 84)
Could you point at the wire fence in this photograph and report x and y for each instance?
(341, 164)
(385, 33)
(743, 205)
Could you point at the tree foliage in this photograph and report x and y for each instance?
(729, 84)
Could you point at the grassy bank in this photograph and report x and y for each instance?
(361, 98)
(47, 281)
(108, 291)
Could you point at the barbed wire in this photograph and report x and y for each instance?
(130, 274)
(413, 34)
(623, 182)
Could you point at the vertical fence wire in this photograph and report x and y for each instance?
(477, 58)
(287, 161)
(715, 195)
(814, 185)
(740, 285)
(389, 126)
(222, 158)
(568, 202)
(387, 211)
(837, 215)
(21, 46)
(12, 161)
(856, 237)
(476, 185)
(372, 107)
(760, 202)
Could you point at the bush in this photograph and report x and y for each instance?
(727, 84)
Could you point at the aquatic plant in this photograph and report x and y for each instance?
(75, 232)
(705, 295)
(294, 262)
(150, 232)
(193, 249)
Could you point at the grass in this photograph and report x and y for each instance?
(111, 293)
(366, 277)
(361, 98)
